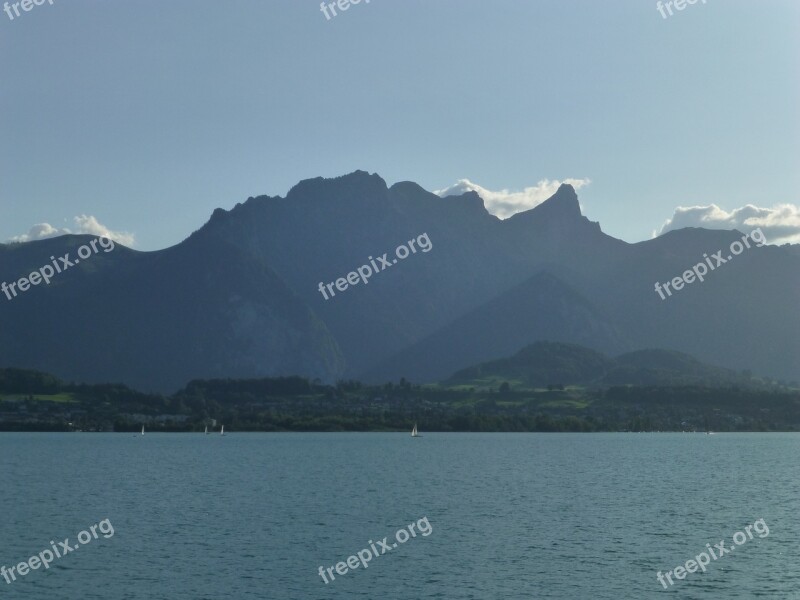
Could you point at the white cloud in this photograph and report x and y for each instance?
(89, 224)
(504, 203)
(780, 224)
(84, 224)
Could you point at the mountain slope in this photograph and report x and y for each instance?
(549, 363)
(156, 320)
(665, 367)
(541, 308)
(538, 365)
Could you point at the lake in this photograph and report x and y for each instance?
(252, 515)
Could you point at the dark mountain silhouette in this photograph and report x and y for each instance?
(538, 365)
(540, 308)
(668, 367)
(551, 363)
(239, 297)
(159, 319)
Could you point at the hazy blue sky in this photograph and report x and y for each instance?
(149, 114)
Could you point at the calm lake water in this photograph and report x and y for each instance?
(573, 516)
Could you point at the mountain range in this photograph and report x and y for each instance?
(240, 297)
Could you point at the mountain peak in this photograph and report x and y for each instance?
(358, 183)
(563, 203)
(562, 207)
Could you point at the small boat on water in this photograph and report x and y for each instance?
(142, 429)
(222, 431)
(206, 429)
(414, 432)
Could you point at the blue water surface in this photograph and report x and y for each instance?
(253, 515)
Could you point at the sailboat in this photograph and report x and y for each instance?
(414, 432)
(142, 429)
(206, 429)
(222, 431)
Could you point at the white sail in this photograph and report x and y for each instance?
(142, 429)
(206, 429)
(222, 431)
(414, 432)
